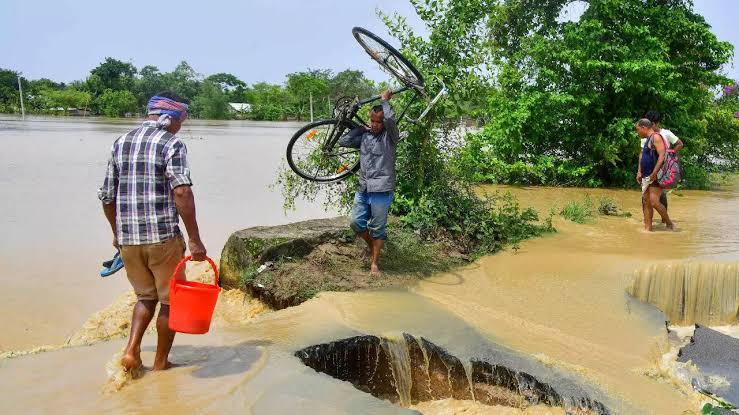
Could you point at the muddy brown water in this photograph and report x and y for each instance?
(54, 234)
(559, 300)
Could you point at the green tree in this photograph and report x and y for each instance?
(568, 93)
(723, 122)
(9, 95)
(211, 103)
(149, 83)
(184, 81)
(112, 74)
(67, 98)
(268, 101)
(37, 99)
(117, 103)
(230, 84)
(729, 99)
(304, 85)
(350, 83)
(38, 85)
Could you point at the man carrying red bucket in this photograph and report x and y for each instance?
(147, 188)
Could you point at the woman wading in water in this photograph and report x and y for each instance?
(650, 161)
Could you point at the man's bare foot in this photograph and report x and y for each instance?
(670, 226)
(375, 270)
(165, 366)
(130, 362)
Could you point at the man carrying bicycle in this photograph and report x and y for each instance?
(374, 196)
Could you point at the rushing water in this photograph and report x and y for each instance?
(704, 293)
(560, 300)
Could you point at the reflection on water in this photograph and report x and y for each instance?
(560, 298)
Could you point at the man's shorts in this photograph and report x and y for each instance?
(370, 212)
(645, 182)
(150, 267)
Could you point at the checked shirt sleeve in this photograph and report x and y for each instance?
(177, 170)
(107, 193)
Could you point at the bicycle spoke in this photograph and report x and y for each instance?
(315, 154)
(345, 153)
(390, 60)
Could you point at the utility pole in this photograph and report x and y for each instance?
(20, 93)
(311, 106)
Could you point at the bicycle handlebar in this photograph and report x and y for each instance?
(433, 102)
(419, 92)
(376, 97)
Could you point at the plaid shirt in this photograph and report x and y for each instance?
(144, 166)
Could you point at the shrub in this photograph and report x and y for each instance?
(578, 211)
(608, 207)
(478, 225)
(117, 103)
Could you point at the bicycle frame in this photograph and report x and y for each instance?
(353, 116)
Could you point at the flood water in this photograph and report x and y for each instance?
(559, 300)
(55, 235)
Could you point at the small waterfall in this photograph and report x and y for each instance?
(397, 348)
(426, 371)
(690, 293)
(468, 372)
(406, 370)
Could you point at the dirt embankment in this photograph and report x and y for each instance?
(287, 265)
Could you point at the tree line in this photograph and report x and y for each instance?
(115, 89)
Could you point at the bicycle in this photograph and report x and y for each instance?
(312, 152)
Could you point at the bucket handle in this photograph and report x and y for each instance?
(188, 258)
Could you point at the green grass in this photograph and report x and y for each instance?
(338, 266)
(578, 211)
(405, 252)
(248, 275)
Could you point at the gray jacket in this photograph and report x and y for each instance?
(376, 153)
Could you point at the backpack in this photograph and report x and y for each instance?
(671, 173)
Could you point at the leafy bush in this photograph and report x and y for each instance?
(578, 211)
(117, 103)
(211, 102)
(478, 225)
(480, 162)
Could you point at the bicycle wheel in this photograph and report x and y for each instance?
(309, 159)
(389, 58)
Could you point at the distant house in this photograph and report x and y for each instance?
(239, 108)
(79, 112)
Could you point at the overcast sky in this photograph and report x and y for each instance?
(256, 40)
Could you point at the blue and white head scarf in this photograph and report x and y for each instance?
(167, 109)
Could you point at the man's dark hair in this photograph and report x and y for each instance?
(645, 123)
(172, 95)
(653, 116)
(377, 109)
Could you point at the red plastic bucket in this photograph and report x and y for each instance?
(191, 303)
